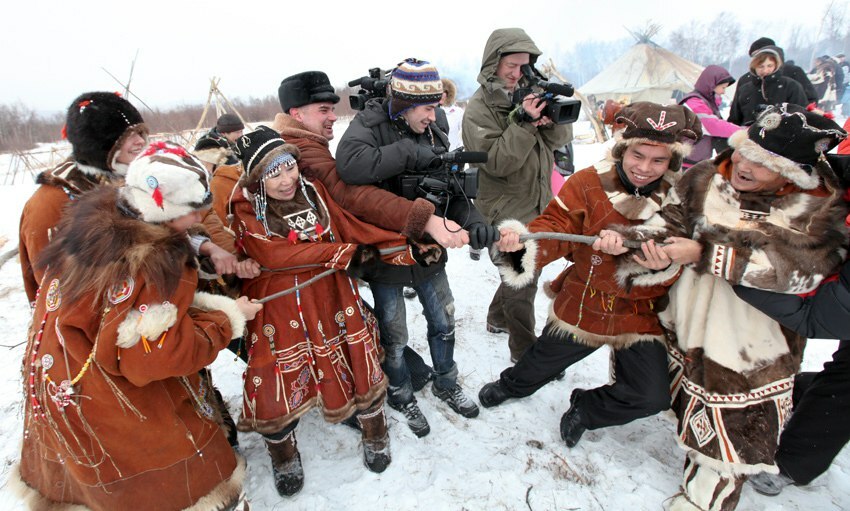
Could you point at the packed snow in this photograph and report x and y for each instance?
(508, 458)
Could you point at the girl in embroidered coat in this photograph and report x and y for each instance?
(318, 345)
(115, 411)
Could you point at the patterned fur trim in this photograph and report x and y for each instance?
(226, 493)
(741, 142)
(727, 468)
(210, 302)
(93, 171)
(149, 324)
(561, 327)
(519, 272)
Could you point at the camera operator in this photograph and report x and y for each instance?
(516, 181)
(391, 140)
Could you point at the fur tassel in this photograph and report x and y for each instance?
(210, 302)
(149, 324)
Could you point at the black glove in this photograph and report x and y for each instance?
(482, 236)
(426, 159)
(364, 262)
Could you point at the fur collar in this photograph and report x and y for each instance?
(74, 177)
(100, 243)
(289, 128)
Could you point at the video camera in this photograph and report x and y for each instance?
(372, 86)
(561, 111)
(445, 179)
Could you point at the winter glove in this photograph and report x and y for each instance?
(482, 235)
(364, 262)
(426, 159)
(426, 253)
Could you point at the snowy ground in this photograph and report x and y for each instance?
(509, 458)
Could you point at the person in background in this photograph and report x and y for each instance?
(591, 308)
(116, 412)
(705, 101)
(229, 126)
(823, 78)
(764, 85)
(788, 69)
(516, 180)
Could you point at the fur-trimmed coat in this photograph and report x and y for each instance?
(732, 366)
(589, 300)
(42, 212)
(115, 411)
(369, 203)
(319, 346)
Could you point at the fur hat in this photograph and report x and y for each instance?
(790, 141)
(643, 122)
(215, 149)
(304, 89)
(414, 83)
(450, 89)
(97, 124)
(166, 182)
(228, 123)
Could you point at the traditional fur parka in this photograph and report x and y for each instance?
(317, 346)
(589, 301)
(732, 366)
(115, 411)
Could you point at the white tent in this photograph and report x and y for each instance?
(647, 72)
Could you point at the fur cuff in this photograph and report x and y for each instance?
(631, 274)
(210, 302)
(741, 142)
(721, 260)
(417, 218)
(149, 324)
(517, 269)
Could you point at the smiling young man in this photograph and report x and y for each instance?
(591, 309)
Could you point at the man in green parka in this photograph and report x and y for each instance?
(516, 180)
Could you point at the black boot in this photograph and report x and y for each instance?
(493, 394)
(571, 427)
(376, 439)
(286, 465)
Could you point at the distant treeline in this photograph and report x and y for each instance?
(21, 128)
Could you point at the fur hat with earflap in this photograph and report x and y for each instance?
(791, 141)
(96, 125)
(166, 182)
(643, 122)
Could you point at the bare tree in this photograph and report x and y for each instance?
(713, 42)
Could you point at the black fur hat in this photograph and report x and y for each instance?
(97, 124)
(305, 88)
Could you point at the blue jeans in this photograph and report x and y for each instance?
(438, 306)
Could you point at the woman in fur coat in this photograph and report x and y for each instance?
(317, 345)
(115, 410)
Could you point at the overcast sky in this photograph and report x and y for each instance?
(51, 51)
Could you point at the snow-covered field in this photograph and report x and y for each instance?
(508, 458)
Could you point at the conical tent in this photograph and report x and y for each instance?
(647, 72)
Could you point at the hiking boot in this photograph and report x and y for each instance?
(493, 394)
(571, 427)
(457, 400)
(409, 293)
(770, 484)
(376, 439)
(420, 372)
(416, 421)
(286, 465)
(493, 329)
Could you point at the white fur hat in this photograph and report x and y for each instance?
(166, 182)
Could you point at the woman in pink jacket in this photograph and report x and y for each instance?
(704, 101)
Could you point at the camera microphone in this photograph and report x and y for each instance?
(558, 89)
(464, 157)
(357, 82)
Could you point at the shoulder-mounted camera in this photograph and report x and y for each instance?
(446, 178)
(372, 86)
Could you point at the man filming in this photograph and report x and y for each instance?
(392, 143)
(516, 181)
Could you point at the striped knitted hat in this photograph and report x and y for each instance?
(414, 83)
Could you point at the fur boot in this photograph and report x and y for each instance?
(705, 489)
(376, 439)
(286, 465)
